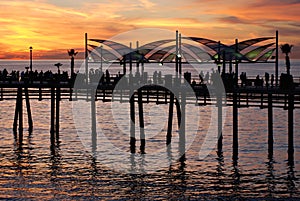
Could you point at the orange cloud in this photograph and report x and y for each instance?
(53, 26)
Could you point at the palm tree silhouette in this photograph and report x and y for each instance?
(286, 49)
(72, 53)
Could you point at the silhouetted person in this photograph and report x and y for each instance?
(272, 80)
(257, 81)
(243, 78)
(159, 77)
(193, 82)
(5, 73)
(107, 76)
(206, 77)
(155, 77)
(267, 77)
(201, 78)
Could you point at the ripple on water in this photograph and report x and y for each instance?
(68, 171)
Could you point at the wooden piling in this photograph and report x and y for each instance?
(15, 124)
(270, 125)
(71, 94)
(40, 94)
(52, 116)
(1, 98)
(30, 122)
(262, 100)
(170, 120)
(235, 144)
(178, 110)
(291, 125)
(57, 109)
(76, 94)
(220, 114)
(141, 118)
(94, 120)
(132, 124)
(20, 97)
(182, 124)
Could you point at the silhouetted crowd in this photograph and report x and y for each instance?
(97, 76)
(33, 76)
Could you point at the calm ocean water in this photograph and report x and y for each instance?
(71, 173)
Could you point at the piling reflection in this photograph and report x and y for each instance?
(219, 169)
(55, 162)
(22, 158)
(270, 177)
(137, 163)
(291, 179)
(236, 177)
(18, 158)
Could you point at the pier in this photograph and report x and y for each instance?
(178, 90)
(238, 97)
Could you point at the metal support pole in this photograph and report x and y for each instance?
(30, 65)
(176, 55)
(179, 56)
(276, 61)
(86, 58)
(236, 62)
(138, 61)
(219, 57)
(130, 58)
(101, 57)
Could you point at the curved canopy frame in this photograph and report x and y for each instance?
(165, 51)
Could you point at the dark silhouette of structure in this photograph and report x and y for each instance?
(139, 89)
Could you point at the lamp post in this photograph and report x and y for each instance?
(30, 50)
(72, 53)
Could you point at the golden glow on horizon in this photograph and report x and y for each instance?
(52, 27)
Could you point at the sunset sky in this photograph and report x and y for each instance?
(53, 26)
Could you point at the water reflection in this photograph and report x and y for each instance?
(18, 159)
(236, 176)
(137, 163)
(55, 162)
(220, 170)
(22, 152)
(270, 177)
(291, 179)
(32, 170)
